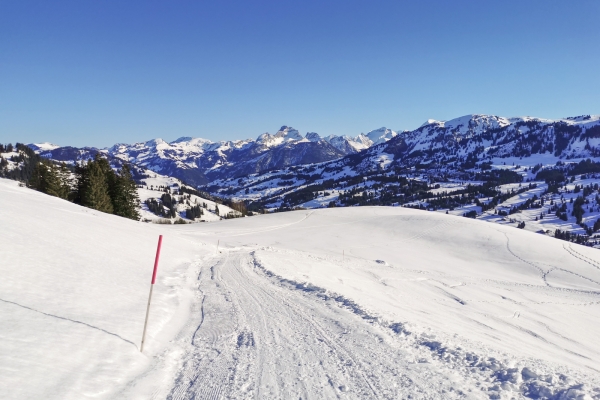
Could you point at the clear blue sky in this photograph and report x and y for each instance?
(96, 73)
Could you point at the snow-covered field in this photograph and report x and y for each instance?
(359, 302)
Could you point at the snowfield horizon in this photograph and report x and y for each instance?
(355, 302)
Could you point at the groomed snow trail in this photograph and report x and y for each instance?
(252, 338)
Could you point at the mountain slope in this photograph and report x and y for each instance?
(439, 146)
(357, 302)
(199, 161)
(73, 293)
(440, 151)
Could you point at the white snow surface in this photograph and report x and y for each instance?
(380, 135)
(43, 146)
(359, 302)
(152, 190)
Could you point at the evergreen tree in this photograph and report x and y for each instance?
(95, 185)
(36, 179)
(193, 212)
(66, 191)
(124, 195)
(51, 179)
(82, 181)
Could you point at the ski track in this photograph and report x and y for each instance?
(251, 338)
(255, 335)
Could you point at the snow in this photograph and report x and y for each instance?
(7, 156)
(431, 121)
(285, 134)
(208, 212)
(550, 222)
(380, 135)
(360, 302)
(313, 136)
(72, 296)
(152, 190)
(46, 146)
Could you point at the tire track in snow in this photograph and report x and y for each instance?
(206, 366)
(375, 356)
(329, 339)
(324, 337)
(256, 339)
(472, 366)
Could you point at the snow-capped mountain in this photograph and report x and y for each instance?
(485, 136)
(285, 135)
(378, 136)
(199, 161)
(440, 147)
(46, 146)
(459, 149)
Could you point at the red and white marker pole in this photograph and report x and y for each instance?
(151, 287)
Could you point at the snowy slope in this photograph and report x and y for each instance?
(72, 296)
(197, 160)
(368, 302)
(153, 185)
(46, 146)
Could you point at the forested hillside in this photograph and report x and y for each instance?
(93, 183)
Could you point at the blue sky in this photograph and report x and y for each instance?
(102, 72)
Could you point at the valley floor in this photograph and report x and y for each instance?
(369, 302)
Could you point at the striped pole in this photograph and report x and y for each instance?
(151, 287)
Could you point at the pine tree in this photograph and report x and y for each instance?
(124, 195)
(65, 182)
(51, 179)
(36, 179)
(82, 181)
(95, 186)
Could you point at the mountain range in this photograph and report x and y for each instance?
(459, 149)
(444, 149)
(200, 161)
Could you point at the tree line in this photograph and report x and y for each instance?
(26, 158)
(92, 184)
